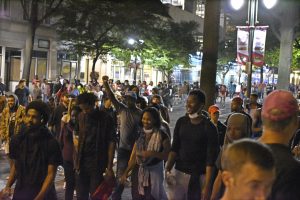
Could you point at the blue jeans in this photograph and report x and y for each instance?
(122, 162)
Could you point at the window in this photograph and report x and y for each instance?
(15, 65)
(13, 59)
(38, 64)
(200, 8)
(4, 8)
(69, 69)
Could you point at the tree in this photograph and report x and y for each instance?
(285, 19)
(35, 12)
(98, 26)
(165, 48)
(210, 50)
(175, 46)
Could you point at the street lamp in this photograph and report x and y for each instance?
(252, 22)
(132, 42)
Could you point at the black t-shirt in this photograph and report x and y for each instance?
(89, 149)
(221, 132)
(32, 157)
(196, 145)
(96, 131)
(286, 167)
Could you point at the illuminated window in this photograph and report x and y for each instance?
(200, 8)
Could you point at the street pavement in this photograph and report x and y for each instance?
(178, 111)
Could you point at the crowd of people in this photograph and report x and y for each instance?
(252, 155)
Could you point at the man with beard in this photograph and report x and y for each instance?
(11, 119)
(36, 155)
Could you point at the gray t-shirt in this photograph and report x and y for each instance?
(129, 123)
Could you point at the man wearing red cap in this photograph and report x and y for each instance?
(280, 122)
(214, 113)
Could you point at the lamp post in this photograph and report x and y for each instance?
(133, 43)
(252, 22)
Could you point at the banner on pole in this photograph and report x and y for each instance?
(242, 45)
(259, 41)
(257, 53)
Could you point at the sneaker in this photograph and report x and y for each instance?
(74, 194)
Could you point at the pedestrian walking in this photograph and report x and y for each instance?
(237, 128)
(23, 93)
(11, 120)
(129, 115)
(280, 122)
(151, 148)
(194, 151)
(36, 155)
(96, 146)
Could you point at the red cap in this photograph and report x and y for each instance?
(279, 105)
(213, 109)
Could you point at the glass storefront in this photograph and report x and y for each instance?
(13, 61)
(38, 65)
(69, 69)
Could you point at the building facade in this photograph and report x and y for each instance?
(13, 34)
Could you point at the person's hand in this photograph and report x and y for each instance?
(104, 78)
(170, 178)
(5, 193)
(109, 173)
(123, 179)
(205, 193)
(144, 154)
(296, 151)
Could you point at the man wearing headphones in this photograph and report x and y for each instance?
(36, 155)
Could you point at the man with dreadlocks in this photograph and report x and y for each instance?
(36, 155)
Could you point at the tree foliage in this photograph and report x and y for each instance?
(95, 27)
(296, 55)
(165, 48)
